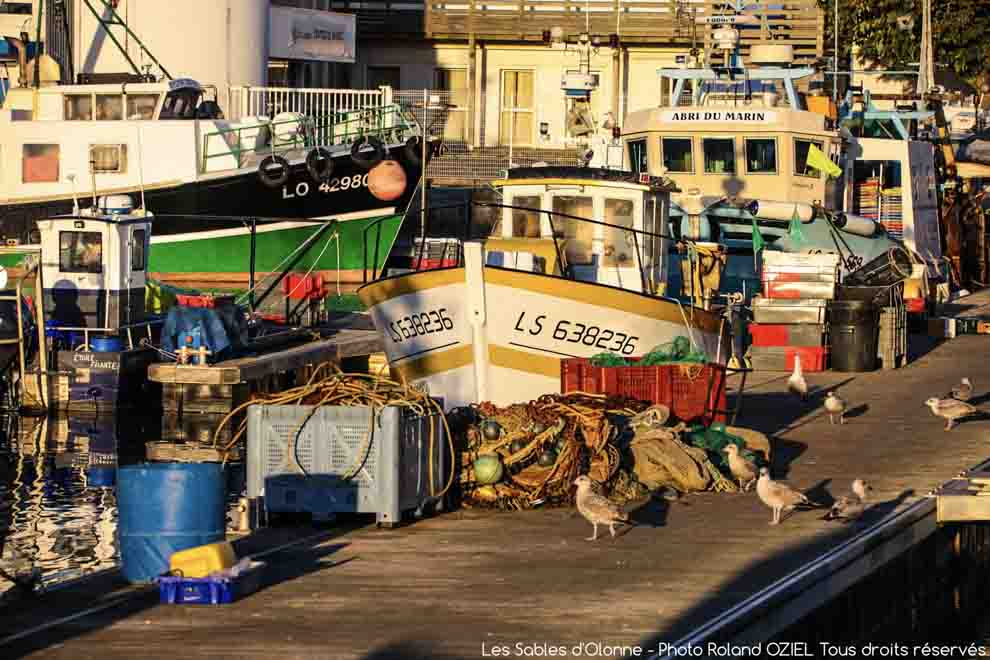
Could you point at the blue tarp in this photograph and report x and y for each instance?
(196, 321)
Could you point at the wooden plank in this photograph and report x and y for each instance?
(345, 343)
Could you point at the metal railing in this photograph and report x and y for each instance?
(269, 101)
(389, 124)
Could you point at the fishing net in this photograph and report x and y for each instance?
(623, 445)
(679, 350)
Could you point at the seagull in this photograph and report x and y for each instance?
(796, 383)
(963, 391)
(780, 497)
(835, 406)
(596, 509)
(950, 410)
(742, 469)
(849, 508)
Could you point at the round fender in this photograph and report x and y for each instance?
(273, 171)
(319, 164)
(367, 160)
(413, 151)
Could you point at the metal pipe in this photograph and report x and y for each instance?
(254, 248)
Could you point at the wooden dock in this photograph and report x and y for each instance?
(460, 584)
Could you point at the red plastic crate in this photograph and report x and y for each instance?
(915, 305)
(300, 287)
(787, 334)
(781, 358)
(203, 300)
(433, 264)
(794, 289)
(701, 397)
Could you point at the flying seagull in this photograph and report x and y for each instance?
(963, 391)
(780, 497)
(796, 383)
(950, 410)
(596, 509)
(742, 469)
(835, 405)
(849, 508)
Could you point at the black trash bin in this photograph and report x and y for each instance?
(853, 329)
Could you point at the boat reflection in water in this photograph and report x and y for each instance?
(58, 508)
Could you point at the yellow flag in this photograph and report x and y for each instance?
(821, 162)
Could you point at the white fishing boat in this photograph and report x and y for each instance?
(551, 282)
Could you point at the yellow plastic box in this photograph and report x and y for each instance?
(202, 560)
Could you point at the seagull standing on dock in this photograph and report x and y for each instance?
(780, 497)
(796, 383)
(950, 410)
(742, 469)
(835, 405)
(596, 509)
(849, 508)
(963, 391)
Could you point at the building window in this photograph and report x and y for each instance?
(516, 126)
(137, 250)
(578, 234)
(379, 76)
(525, 224)
(78, 107)
(40, 163)
(637, 156)
(108, 158)
(761, 155)
(141, 106)
(109, 107)
(677, 154)
(619, 243)
(453, 84)
(720, 155)
(80, 252)
(801, 167)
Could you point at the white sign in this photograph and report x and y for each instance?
(737, 19)
(719, 116)
(306, 34)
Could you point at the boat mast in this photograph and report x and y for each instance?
(115, 19)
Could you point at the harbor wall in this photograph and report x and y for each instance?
(217, 42)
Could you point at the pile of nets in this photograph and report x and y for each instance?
(677, 351)
(529, 454)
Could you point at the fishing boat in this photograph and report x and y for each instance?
(751, 156)
(359, 160)
(550, 282)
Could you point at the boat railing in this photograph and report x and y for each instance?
(127, 329)
(388, 124)
(269, 101)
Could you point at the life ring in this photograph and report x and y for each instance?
(319, 164)
(414, 151)
(266, 171)
(367, 161)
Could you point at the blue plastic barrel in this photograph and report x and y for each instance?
(100, 476)
(166, 507)
(107, 344)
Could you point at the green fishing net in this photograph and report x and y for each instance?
(713, 439)
(674, 352)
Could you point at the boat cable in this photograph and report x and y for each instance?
(335, 235)
(278, 267)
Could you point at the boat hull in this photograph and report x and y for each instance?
(502, 339)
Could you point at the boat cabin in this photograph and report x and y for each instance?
(594, 225)
(94, 266)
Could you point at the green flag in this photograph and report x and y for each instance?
(757, 244)
(794, 231)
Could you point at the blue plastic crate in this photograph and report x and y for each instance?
(178, 590)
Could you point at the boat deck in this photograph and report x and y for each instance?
(460, 584)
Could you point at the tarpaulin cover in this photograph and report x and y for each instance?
(182, 321)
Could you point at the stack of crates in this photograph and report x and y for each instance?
(892, 343)
(789, 316)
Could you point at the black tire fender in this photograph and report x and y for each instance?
(267, 171)
(413, 151)
(319, 164)
(367, 160)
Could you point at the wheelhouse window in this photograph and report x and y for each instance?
(39, 163)
(109, 107)
(801, 167)
(637, 156)
(108, 158)
(180, 104)
(141, 106)
(137, 250)
(78, 107)
(761, 155)
(80, 252)
(619, 243)
(678, 154)
(525, 223)
(720, 155)
(578, 235)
